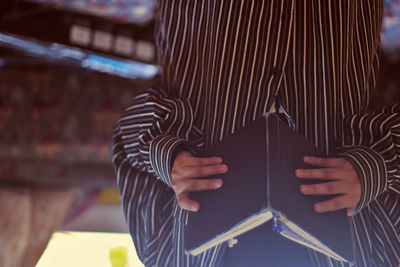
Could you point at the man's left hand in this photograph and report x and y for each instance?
(343, 180)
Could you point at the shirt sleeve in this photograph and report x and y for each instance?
(371, 142)
(152, 129)
(146, 139)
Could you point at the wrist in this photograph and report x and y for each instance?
(162, 153)
(371, 170)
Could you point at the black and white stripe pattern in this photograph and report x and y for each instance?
(223, 62)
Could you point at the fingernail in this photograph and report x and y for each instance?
(299, 172)
(317, 208)
(224, 168)
(218, 184)
(307, 158)
(303, 189)
(217, 160)
(195, 208)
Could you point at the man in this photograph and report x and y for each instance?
(223, 63)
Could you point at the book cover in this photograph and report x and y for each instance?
(261, 183)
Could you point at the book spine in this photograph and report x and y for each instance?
(277, 224)
(267, 143)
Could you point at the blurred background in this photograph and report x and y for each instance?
(67, 71)
(68, 68)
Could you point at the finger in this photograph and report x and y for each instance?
(187, 185)
(324, 173)
(185, 203)
(204, 184)
(197, 161)
(203, 171)
(337, 203)
(328, 188)
(326, 162)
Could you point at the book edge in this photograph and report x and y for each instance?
(252, 221)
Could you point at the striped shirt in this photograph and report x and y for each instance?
(223, 62)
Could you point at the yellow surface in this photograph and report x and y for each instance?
(109, 196)
(90, 249)
(119, 257)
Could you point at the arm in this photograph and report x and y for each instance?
(151, 130)
(371, 142)
(146, 197)
(367, 163)
(147, 138)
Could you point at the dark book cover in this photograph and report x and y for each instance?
(286, 151)
(261, 176)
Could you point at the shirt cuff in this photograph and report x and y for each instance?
(163, 150)
(371, 169)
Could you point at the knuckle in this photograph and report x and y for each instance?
(195, 161)
(200, 172)
(217, 169)
(329, 187)
(326, 172)
(326, 187)
(314, 159)
(204, 161)
(194, 186)
(311, 189)
(353, 174)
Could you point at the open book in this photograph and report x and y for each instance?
(260, 186)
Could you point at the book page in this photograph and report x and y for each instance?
(293, 232)
(238, 229)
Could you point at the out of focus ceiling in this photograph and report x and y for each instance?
(103, 35)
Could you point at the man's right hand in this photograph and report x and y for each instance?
(185, 173)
